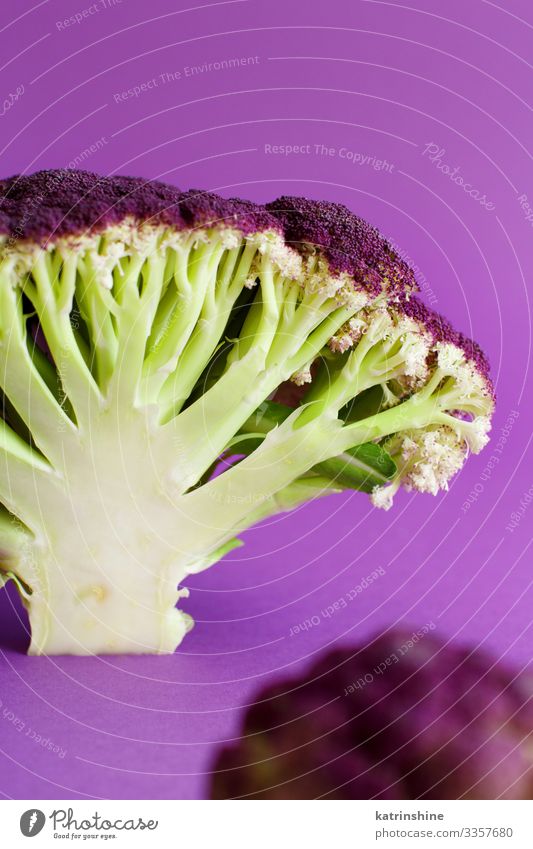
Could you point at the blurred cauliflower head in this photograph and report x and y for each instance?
(404, 717)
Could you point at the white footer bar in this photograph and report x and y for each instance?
(268, 825)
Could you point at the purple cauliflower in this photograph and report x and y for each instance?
(404, 717)
(176, 366)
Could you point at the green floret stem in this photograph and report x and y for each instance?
(343, 377)
(209, 269)
(207, 288)
(178, 309)
(311, 346)
(204, 428)
(264, 308)
(22, 382)
(166, 306)
(296, 494)
(226, 504)
(210, 422)
(76, 378)
(288, 452)
(299, 311)
(298, 324)
(51, 378)
(414, 413)
(194, 273)
(133, 323)
(98, 309)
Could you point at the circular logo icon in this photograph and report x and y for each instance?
(32, 822)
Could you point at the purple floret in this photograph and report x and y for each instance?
(406, 716)
(50, 204)
(442, 331)
(348, 243)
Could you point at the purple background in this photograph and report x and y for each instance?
(379, 79)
